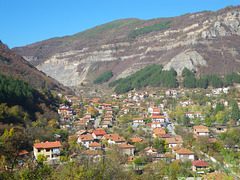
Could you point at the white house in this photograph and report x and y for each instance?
(85, 140)
(184, 154)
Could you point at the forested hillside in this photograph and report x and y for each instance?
(21, 103)
(152, 75)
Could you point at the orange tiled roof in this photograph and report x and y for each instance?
(126, 146)
(200, 127)
(95, 144)
(23, 152)
(158, 117)
(159, 131)
(216, 176)
(110, 136)
(199, 163)
(47, 144)
(99, 132)
(137, 139)
(150, 147)
(87, 137)
(176, 148)
(184, 151)
(91, 152)
(174, 140)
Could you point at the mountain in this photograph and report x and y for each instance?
(14, 65)
(207, 42)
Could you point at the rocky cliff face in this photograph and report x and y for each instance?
(207, 42)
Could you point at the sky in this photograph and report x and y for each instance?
(24, 22)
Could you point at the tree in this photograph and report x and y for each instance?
(137, 162)
(41, 158)
(185, 120)
(160, 145)
(235, 112)
(189, 82)
(220, 117)
(12, 142)
(174, 170)
(186, 72)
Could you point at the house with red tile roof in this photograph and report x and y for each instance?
(159, 119)
(217, 175)
(155, 125)
(201, 130)
(114, 139)
(200, 165)
(158, 131)
(93, 154)
(85, 140)
(138, 121)
(184, 154)
(94, 146)
(150, 150)
(172, 142)
(49, 149)
(127, 149)
(98, 134)
(137, 140)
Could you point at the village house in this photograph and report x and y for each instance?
(194, 115)
(95, 155)
(95, 146)
(150, 150)
(221, 129)
(49, 149)
(158, 131)
(137, 140)
(127, 149)
(138, 121)
(131, 105)
(156, 112)
(150, 109)
(105, 125)
(184, 154)
(125, 110)
(201, 130)
(98, 134)
(155, 125)
(200, 166)
(114, 139)
(85, 140)
(66, 111)
(159, 119)
(174, 141)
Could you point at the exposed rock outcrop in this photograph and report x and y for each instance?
(189, 59)
(209, 39)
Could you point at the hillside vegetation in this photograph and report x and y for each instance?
(147, 29)
(190, 81)
(152, 75)
(20, 102)
(104, 77)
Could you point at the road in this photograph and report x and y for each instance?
(97, 120)
(170, 126)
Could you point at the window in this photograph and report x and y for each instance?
(47, 150)
(39, 150)
(48, 156)
(55, 150)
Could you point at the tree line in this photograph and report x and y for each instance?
(152, 75)
(190, 81)
(104, 77)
